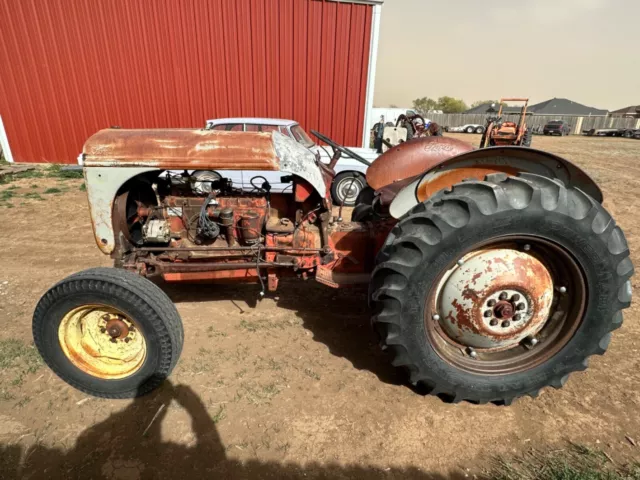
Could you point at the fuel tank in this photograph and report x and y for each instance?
(412, 158)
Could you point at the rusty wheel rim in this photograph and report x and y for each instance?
(102, 342)
(547, 336)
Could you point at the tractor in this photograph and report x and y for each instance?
(500, 133)
(492, 273)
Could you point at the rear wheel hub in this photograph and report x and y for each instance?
(493, 299)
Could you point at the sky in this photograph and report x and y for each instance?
(585, 50)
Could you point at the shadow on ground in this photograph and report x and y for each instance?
(128, 445)
(340, 319)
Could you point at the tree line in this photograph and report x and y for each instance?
(447, 104)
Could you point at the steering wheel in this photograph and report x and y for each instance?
(340, 148)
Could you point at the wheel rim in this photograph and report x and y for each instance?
(506, 306)
(348, 190)
(102, 342)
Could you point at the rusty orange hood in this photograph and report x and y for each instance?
(181, 148)
(413, 158)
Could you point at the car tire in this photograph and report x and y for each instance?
(469, 130)
(544, 220)
(133, 359)
(346, 187)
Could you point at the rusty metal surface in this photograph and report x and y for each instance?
(495, 299)
(413, 158)
(181, 148)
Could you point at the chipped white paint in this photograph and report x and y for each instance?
(405, 200)
(298, 160)
(102, 186)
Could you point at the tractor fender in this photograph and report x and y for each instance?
(479, 163)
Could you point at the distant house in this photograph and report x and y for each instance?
(482, 109)
(555, 106)
(629, 112)
(562, 106)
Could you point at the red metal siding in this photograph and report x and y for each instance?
(72, 67)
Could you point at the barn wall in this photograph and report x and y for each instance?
(71, 67)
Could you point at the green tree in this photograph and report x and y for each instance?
(451, 105)
(477, 103)
(424, 104)
(393, 105)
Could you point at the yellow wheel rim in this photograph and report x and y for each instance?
(102, 342)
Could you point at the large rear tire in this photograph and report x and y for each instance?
(108, 332)
(569, 268)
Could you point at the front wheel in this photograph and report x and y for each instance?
(498, 288)
(108, 332)
(346, 187)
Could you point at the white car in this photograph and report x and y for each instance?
(467, 128)
(350, 173)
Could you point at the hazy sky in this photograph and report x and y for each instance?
(584, 50)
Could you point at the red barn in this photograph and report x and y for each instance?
(72, 67)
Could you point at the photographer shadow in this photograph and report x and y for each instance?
(338, 318)
(128, 445)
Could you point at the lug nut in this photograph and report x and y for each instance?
(516, 317)
(527, 247)
(436, 317)
(506, 324)
(487, 313)
(491, 303)
(493, 322)
(520, 306)
(503, 296)
(515, 297)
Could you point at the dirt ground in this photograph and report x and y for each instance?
(290, 386)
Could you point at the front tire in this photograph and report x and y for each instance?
(533, 221)
(346, 187)
(108, 332)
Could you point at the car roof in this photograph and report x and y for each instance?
(258, 120)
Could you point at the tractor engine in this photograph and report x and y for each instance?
(184, 229)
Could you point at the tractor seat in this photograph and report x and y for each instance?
(507, 130)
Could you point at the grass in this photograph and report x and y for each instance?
(56, 171)
(52, 190)
(576, 462)
(83, 187)
(33, 196)
(16, 355)
(6, 195)
(220, 415)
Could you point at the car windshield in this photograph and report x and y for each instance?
(555, 122)
(301, 136)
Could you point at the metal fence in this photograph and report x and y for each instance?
(578, 124)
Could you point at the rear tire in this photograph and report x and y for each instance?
(431, 238)
(480, 130)
(469, 130)
(148, 312)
